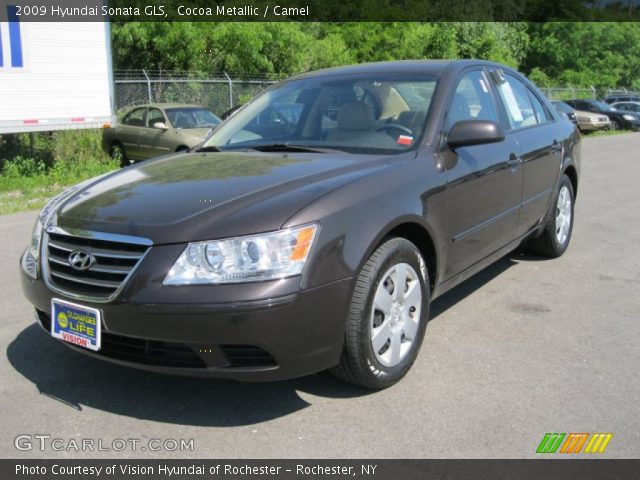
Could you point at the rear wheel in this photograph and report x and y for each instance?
(555, 237)
(615, 124)
(117, 153)
(387, 317)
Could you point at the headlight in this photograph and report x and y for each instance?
(629, 117)
(36, 236)
(244, 259)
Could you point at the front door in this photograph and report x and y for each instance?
(155, 141)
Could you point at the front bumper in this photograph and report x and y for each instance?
(283, 332)
(593, 126)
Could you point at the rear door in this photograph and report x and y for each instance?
(540, 139)
(484, 182)
(128, 132)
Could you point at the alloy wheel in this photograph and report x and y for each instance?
(395, 316)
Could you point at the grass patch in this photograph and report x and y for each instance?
(606, 133)
(37, 167)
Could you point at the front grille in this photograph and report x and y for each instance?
(114, 262)
(137, 350)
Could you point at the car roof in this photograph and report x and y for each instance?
(435, 67)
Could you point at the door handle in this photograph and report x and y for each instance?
(514, 161)
(143, 134)
(556, 147)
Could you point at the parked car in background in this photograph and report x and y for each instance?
(147, 131)
(591, 122)
(619, 120)
(566, 110)
(622, 98)
(289, 242)
(633, 107)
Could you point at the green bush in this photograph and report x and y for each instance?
(36, 167)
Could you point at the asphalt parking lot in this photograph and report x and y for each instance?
(526, 347)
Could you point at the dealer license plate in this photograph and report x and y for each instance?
(75, 324)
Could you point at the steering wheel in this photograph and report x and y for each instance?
(395, 126)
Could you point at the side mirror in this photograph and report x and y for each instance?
(160, 126)
(474, 132)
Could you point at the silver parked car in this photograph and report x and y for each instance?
(154, 129)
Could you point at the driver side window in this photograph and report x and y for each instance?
(472, 100)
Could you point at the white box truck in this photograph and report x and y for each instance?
(54, 76)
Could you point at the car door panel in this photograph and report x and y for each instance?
(541, 162)
(540, 138)
(128, 132)
(155, 141)
(483, 194)
(484, 182)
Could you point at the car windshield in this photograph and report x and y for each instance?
(366, 114)
(190, 117)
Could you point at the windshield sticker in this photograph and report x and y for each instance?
(404, 140)
(511, 102)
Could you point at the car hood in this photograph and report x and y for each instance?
(195, 132)
(199, 196)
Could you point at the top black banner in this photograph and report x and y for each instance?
(319, 10)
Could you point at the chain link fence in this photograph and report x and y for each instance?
(217, 92)
(568, 93)
(220, 92)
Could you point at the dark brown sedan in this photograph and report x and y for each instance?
(313, 228)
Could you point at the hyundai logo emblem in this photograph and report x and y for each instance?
(81, 260)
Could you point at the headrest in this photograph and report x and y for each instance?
(355, 116)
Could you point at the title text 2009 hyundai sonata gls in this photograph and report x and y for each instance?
(292, 243)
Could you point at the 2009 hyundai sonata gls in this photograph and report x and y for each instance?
(312, 229)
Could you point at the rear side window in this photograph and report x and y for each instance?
(541, 113)
(517, 102)
(472, 100)
(135, 118)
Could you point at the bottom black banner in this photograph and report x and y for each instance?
(319, 469)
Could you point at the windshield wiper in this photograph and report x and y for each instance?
(289, 147)
(208, 148)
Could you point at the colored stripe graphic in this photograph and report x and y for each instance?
(598, 443)
(15, 40)
(550, 443)
(574, 443)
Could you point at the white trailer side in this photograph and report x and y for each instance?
(54, 76)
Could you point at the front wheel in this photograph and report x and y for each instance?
(555, 237)
(387, 317)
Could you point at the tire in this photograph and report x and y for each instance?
(615, 124)
(118, 153)
(396, 334)
(182, 149)
(554, 239)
